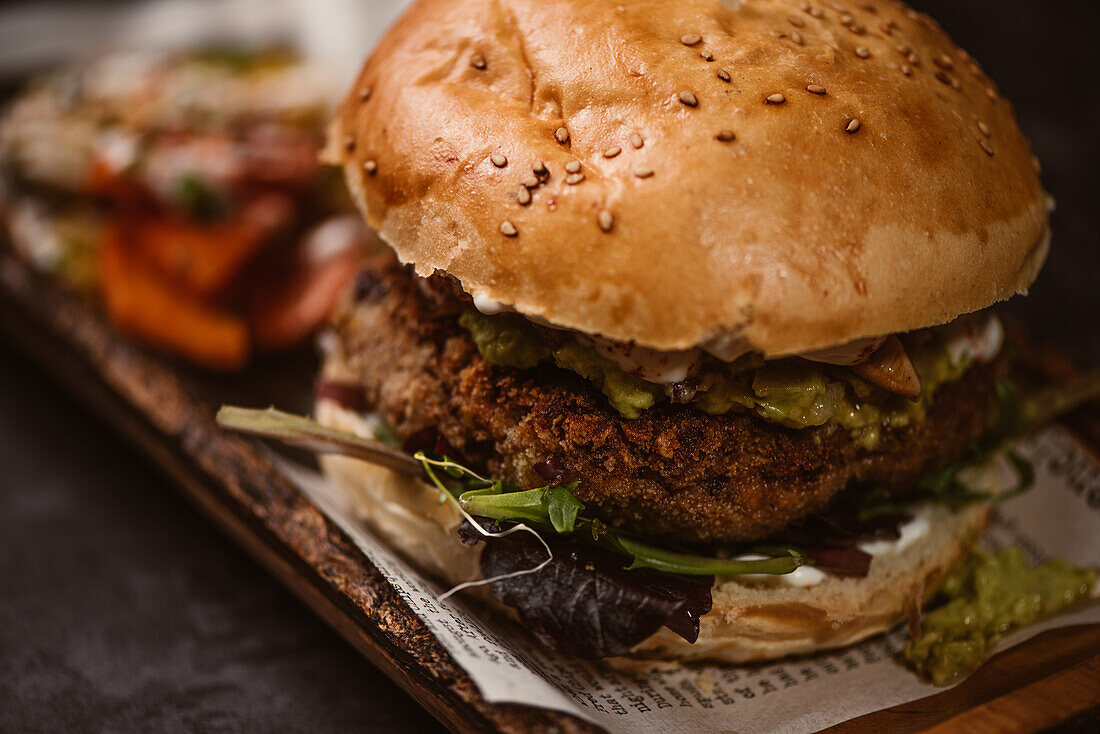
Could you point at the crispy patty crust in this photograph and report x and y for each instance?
(674, 473)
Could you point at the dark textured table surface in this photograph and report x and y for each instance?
(121, 609)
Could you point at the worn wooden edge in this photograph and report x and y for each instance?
(1065, 656)
(231, 481)
(154, 406)
(1032, 708)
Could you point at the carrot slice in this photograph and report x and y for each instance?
(143, 302)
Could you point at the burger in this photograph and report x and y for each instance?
(684, 314)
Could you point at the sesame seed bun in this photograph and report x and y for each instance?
(748, 621)
(786, 177)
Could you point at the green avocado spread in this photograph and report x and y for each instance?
(504, 341)
(791, 392)
(987, 596)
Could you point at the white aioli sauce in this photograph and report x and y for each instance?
(800, 577)
(978, 338)
(851, 353)
(910, 532)
(663, 368)
(489, 307)
(805, 576)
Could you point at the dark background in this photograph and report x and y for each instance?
(121, 609)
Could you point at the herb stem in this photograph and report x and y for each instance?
(658, 559)
(308, 434)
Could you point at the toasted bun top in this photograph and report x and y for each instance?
(876, 181)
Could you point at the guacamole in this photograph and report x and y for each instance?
(987, 596)
(505, 340)
(792, 392)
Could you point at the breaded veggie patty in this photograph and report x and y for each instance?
(674, 472)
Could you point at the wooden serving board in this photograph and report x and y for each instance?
(167, 412)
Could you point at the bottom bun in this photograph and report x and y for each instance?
(750, 620)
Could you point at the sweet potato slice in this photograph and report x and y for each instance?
(143, 302)
(205, 257)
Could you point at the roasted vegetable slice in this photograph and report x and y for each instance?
(141, 300)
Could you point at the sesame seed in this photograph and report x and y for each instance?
(523, 196)
(986, 147)
(643, 172)
(815, 89)
(991, 93)
(573, 166)
(723, 75)
(804, 6)
(688, 99)
(904, 50)
(612, 152)
(706, 55)
(775, 98)
(574, 178)
(561, 135)
(364, 94)
(863, 52)
(868, 7)
(888, 26)
(1036, 164)
(726, 136)
(797, 38)
(636, 140)
(508, 229)
(955, 83)
(478, 61)
(498, 160)
(907, 70)
(691, 39)
(606, 220)
(944, 61)
(540, 169)
(370, 167)
(796, 21)
(816, 13)
(943, 77)
(530, 181)
(853, 126)
(912, 14)
(349, 143)
(857, 28)
(847, 19)
(983, 129)
(913, 59)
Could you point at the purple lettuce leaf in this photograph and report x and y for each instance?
(584, 603)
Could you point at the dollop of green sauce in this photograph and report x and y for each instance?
(505, 340)
(987, 596)
(627, 394)
(791, 392)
